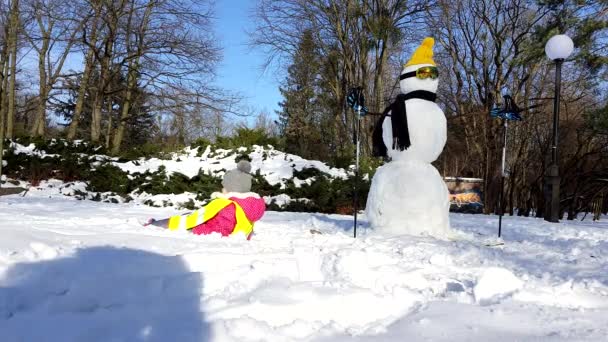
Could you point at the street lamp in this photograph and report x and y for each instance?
(558, 48)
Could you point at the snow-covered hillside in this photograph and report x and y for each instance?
(87, 271)
(277, 168)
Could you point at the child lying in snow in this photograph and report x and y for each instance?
(233, 211)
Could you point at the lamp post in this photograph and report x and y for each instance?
(558, 48)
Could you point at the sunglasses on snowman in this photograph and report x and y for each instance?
(422, 73)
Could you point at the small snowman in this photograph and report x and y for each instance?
(407, 194)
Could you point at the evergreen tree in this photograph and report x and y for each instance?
(299, 114)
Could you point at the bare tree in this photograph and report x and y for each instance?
(89, 40)
(52, 34)
(9, 22)
(355, 39)
(12, 69)
(265, 122)
(105, 54)
(133, 65)
(186, 116)
(487, 48)
(493, 45)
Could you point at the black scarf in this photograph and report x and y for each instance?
(401, 134)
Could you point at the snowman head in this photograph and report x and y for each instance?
(420, 72)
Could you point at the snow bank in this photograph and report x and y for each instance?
(495, 284)
(275, 166)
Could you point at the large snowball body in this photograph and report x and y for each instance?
(409, 197)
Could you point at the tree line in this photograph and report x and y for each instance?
(484, 48)
(115, 72)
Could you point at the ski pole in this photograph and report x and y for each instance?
(358, 151)
(502, 176)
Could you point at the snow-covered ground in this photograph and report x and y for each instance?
(87, 271)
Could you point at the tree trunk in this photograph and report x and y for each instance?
(86, 75)
(4, 93)
(38, 130)
(40, 121)
(124, 115)
(133, 70)
(1, 144)
(96, 117)
(82, 90)
(379, 78)
(109, 128)
(10, 117)
(104, 78)
(99, 99)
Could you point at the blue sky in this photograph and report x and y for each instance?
(241, 67)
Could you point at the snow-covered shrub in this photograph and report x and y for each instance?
(186, 178)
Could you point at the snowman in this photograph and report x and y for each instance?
(407, 194)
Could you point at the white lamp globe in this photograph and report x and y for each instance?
(559, 47)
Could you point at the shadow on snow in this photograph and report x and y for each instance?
(103, 294)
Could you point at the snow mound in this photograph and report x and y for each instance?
(495, 284)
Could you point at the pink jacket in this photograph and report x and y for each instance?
(224, 222)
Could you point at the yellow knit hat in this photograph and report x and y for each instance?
(423, 54)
